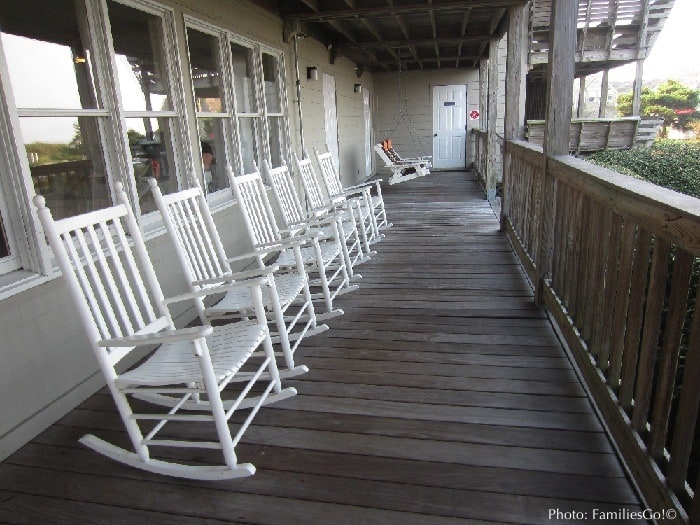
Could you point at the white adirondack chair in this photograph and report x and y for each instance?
(203, 260)
(295, 216)
(335, 189)
(353, 208)
(402, 171)
(323, 258)
(117, 296)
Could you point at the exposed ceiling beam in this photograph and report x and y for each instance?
(422, 42)
(463, 31)
(392, 10)
(410, 60)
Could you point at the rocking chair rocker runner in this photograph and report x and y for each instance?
(203, 260)
(402, 169)
(111, 279)
(334, 187)
(323, 258)
(294, 216)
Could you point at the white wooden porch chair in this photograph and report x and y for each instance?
(323, 258)
(117, 297)
(203, 260)
(335, 189)
(353, 208)
(402, 171)
(294, 215)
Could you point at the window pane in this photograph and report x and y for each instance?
(277, 141)
(243, 77)
(272, 90)
(211, 136)
(151, 156)
(138, 45)
(204, 64)
(66, 163)
(48, 54)
(249, 145)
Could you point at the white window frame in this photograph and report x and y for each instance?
(283, 114)
(182, 158)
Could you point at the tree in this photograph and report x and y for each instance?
(675, 103)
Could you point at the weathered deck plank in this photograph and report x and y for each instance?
(442, 397)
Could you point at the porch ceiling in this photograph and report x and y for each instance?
(385, 35)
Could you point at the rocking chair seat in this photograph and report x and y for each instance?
(329, 251)
(176, 363)
(289, 285)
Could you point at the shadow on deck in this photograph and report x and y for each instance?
(442, 396)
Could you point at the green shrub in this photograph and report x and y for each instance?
(673, 164)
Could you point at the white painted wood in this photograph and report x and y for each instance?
(402, 169)
(449, 126)
(322, 258)
(330, 111)
(367, 114)
(205, 265)
(107, 277)
(326, 220)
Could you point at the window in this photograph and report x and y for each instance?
(144, 83)
(274, 109)
(248, 114)
(61, 120)
(213, 117)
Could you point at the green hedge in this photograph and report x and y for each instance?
(674, 164)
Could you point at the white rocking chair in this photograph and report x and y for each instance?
(352, 209)
(294, 216)
(402, 170)
(335, 189)
(204, 262)
(117, 296)
(323, 258)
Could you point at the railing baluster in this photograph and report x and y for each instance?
(666, 378)
(640, 268)
(650, 333)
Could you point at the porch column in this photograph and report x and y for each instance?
(560, 78)
(602, 110)
(492, 114)
(581, 97)
(516, 74)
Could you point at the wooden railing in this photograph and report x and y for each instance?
(623, 260)
(481, 159)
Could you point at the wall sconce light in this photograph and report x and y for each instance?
(312, 73)
(358, 88)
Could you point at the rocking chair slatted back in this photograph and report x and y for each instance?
(285, 193)
(329, 173)
(189, 219)
(258, 214)
(113, 284)
(308, 178)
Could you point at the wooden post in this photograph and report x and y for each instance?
(602, 109)
(641, 55)
(516, 73)
(581, 97)
(492, 138)
(483, 93)
(560, 78)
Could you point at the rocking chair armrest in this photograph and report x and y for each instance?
(289, 242)
(257, 253)
(164, 336)
(369, 184)
(219, 289)
(238, 276)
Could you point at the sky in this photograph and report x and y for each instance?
(675, 50)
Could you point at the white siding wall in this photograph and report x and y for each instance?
(404, 107)
(349, 107)
(46, 366)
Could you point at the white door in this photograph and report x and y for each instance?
(449, 127)
(366, 101)
(330, 116)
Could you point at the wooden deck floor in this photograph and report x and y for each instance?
(442, 396)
